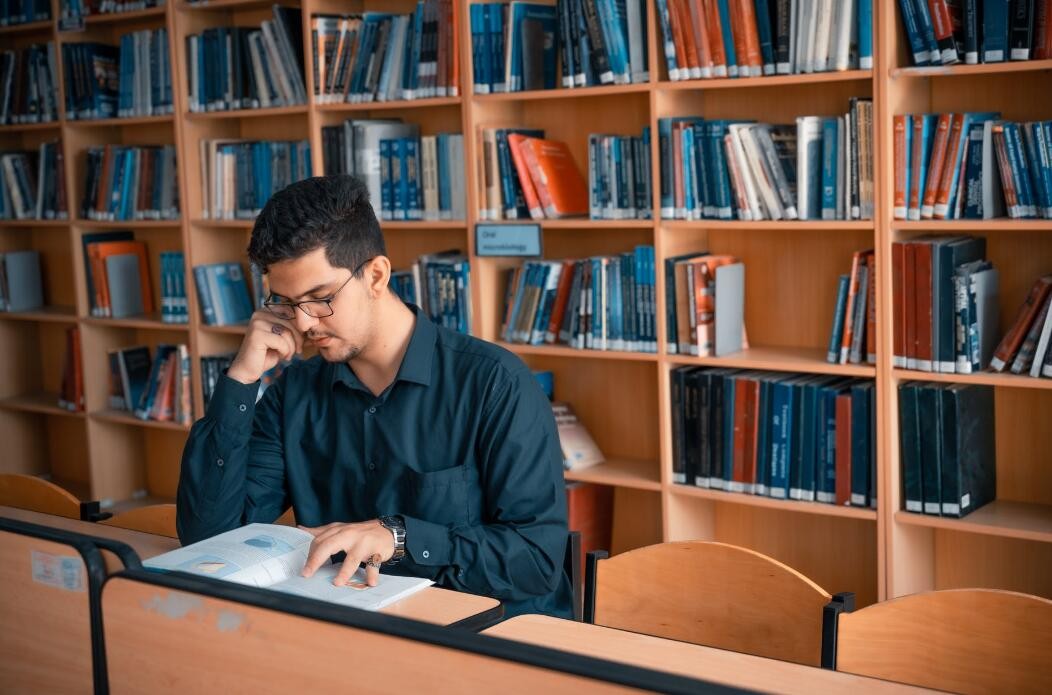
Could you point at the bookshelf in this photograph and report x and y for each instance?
(623, 398)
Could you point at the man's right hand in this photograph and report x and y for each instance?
(268, 340)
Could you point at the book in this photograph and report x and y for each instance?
(579, 449)
(271, 556)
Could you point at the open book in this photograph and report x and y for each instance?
(272, 556)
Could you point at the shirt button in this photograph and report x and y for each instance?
(242, 407)
(219, 462)
(372, 466)
(426, 554)
(372, 410)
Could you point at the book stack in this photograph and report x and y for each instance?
(948, 450)
(231, 68)
(239, 176)
(788, 436)
(521, 46)
(944, 304)
(152, 389)
(821, 168)
(117, 273)
(15, 12)
(71, 9)
(104, 81)
(21, 288)
(750, 38)
(705, 304)
(130, 183)
(174, 305)
(619, 177)
(971, 166)
(378, 56)
(71, 390)
(33, 185)
(1025, 348)
(853, 337)
(28, 90)
(440, 284)
(944, 32)
(420, 177)
(597, 303)
(528, 177)
(222, 294)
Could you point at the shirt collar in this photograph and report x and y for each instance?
(416, 363)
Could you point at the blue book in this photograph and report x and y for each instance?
(929, 121)
(927, 30)
(386, 198)
(237, 304)
(478, 40)
(947, 210)
(1036, 159)
(721, 183)
(667, 173)
(1043, 142)
(995, 31)
(668, 43)
(536, 25)
(836, 335)
(861, 397)
(781, 438)
(919, 46)
(830, 167)
(728, 37)
(763, 30)
(865, 34)
(802, 483)
(908, 135)
(403, 192)
(686, 145)
(445, 202)
(615, 34)
(973, 174)
(1020, 170)
(497, 48)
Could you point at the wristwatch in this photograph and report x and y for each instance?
(396, 526)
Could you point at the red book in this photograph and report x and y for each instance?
(922, 298)
(1042, 29)
(899, 134)
(946, 179)
(741, 407)
(1010, 343)
(898, 304)
(843, 448)
(752, 432)
(871, 309)
(936, 164)
(562, 298)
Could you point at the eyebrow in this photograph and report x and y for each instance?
(313, 290)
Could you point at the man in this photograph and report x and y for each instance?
(401, 442)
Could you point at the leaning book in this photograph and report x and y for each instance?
(271, 556)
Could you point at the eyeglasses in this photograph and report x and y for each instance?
(315, 308)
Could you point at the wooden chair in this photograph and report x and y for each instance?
(572, 567)
(158, 519)
(39, 495)
(961, 640)
(288, 518)
(713, 594)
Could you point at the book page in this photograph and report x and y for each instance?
(257, 554)
(356, 593)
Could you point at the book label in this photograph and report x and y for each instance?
(517, 240)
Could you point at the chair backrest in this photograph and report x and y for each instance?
(158, 519)
(37, 495)
(572, 567)
(287, 518)
(709, 593)
(962, 640)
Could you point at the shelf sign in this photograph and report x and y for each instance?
(520, 240)
(72, 23)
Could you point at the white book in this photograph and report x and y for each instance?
(271, 556)
(847, 20)
(993, 194)
(1042, 344)
(841, 179)
(824, 11)
(756, 208)
(808, 155)
(730, 308)
(794, 24)
(761, 175)
(637, 65)
(806, 27)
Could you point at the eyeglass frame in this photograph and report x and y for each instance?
(326, 300)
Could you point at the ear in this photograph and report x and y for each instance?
(378, 275)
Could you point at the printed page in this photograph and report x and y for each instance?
(257, 554)
(356, 593)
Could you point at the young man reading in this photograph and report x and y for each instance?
(401, 442)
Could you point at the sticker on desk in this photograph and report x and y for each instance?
(59, 571)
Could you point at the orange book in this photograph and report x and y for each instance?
(743, 14)
(857, 260)
(1026, 315)
(186, 409)
(560, 186)
(1007, 181)
(683, 37)
(946, 180)
(701, 37)
(678, 194)
(899, 126)
(164, 399)
(101, 201)
(562, 298)
(871, 310)
(101, 251)
(529, 191)
(936, 164)
(719, 51)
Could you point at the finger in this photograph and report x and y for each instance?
(372, 570)
(317, 530)
(318, 555)
(347, 569)
(282, 345)
(266, 322)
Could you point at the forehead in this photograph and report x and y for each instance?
(298, 276)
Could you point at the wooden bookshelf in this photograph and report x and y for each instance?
(623, 398)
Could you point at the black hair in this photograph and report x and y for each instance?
(330, 212)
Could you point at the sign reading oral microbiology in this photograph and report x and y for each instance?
(508, 240)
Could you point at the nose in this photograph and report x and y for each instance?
(303, 322)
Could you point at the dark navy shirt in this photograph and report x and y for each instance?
(462, 445)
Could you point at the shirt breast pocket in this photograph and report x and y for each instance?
(450, 496)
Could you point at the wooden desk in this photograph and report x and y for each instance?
(682, 658)
(432, 605)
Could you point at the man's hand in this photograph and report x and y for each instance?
(268, 340)
(362, 542)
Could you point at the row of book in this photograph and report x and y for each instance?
(521, 46)
(944, 32)
(117, 274)
(130, 183)
(379, 56)
(749, 38)
(944, 304)
(15, 12)
(231, 68)
(948, 447)
(21, 288)
(971, 166)
(214, 366)
(417, 177)
(132, 80)
(705, 304)
(853, 337)
(223, 295)
(787, 436)
(440, 284)
(71, 387)
(597, 303)
(175, 308)
(526, 176)
(620, 187)
(152, 388)
(28, 90)
(71, 9)
(821, 168)
(33, 185)
(1027, 346)
(239, 176)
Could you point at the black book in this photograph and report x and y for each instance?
(968, 463)
(929, 417)
(691, 425)
(703, 428)
(945, 260)
(973, 24)
(861, 402)
(783, 11)
(531, 36)
(598, 54)
(909, 452)
(1020, 29)
(677, 389)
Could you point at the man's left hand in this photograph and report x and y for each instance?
(366, 542)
